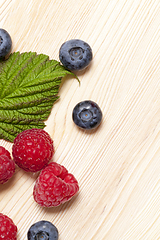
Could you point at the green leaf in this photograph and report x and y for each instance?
(29, 84)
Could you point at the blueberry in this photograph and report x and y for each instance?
(42, 230)
(75, 54)
(5, 43)
(87, 114)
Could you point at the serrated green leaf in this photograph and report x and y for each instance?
(29, 84)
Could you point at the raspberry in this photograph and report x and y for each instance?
(7, 168)
(32, 149)
(54, 186)
(5, 152)
(8, 230)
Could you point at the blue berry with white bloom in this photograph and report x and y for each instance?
(42, 230)
(75, 54)
(87, 114)
(5, 43)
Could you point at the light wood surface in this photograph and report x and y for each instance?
(117, 165)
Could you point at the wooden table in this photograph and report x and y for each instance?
(117, 165)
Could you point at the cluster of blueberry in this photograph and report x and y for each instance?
(43, 230)
(75, 55)
(31, 151)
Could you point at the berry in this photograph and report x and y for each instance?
(42, 230)
(8, 230)
(87, 114)
(5, 152)
(54, 186)
(5, 43)
(75, 54)
(32, 149)
(7, 168)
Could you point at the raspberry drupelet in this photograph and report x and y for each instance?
(7, 165)
(8, 230)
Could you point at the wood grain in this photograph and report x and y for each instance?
(117, 165)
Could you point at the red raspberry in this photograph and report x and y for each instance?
(7, 168)
(54, 186)
(32, 149)
(5, 152)
(8, 230)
